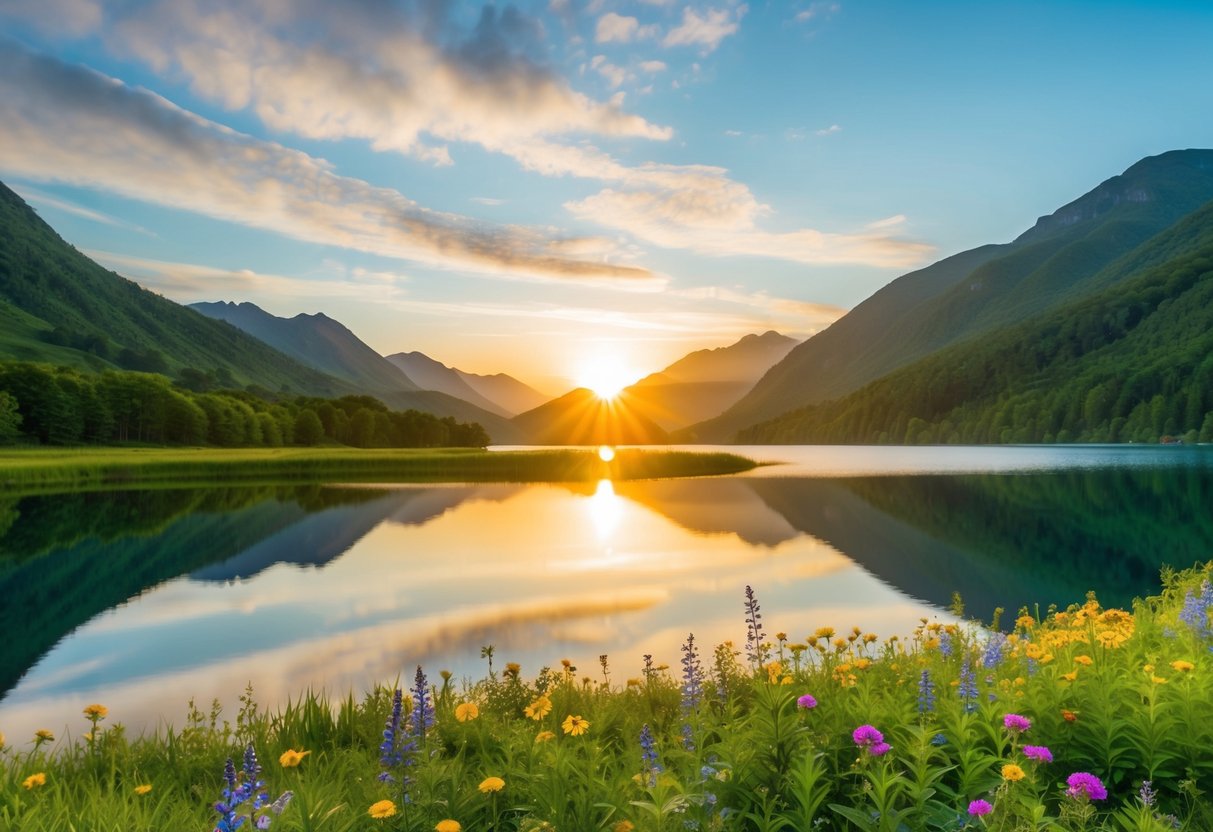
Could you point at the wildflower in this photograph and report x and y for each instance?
(826, 633)
(538, 709)
(34, 781)
(1, 739)
(143, 789)
(1085, 661)
(945, 644)
(390, 753)
(1147, 794)
(1195, 612)
(980, 807)
(1182, 666)
(96, 712)
(869, 638)
(382, 809)
(1016, 723)
(649, 766)
(1039, 753)
(754, 635)
(574, 725)
(1068, 715)
(1012, 772)
(939, 739)
(995, 648)
(513, 669)
(967, 689)
(926, 693)
(692, 676)
(807, 702)
(866, 736)
(423, 706)
(544, 736)
(1082, 784)
(880, 749)
(1071, 676)
(491, 784)
(623, 826)
(42, 735)
(448, 825)
(466, 711)
(248, 789)
(1025, 622)
(292, 758)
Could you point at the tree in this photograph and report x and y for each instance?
(308, 430)
(10, 418)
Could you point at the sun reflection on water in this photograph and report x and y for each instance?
(606, 510)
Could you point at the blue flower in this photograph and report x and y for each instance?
(1195, 612)
(994, 651)
(649, 766)
(968, 686)
(926, 693)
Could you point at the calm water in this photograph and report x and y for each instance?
(142, 600)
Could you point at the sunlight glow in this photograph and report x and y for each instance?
(605, 376)
(606, 509)
(606, 453)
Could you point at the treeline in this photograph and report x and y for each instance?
(46, 405)
(1131, 364)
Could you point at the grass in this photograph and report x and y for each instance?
(35, 469)
(841, 731)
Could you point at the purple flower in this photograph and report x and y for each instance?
(926, 693)
(980, 807)
(1016, 723)
(866, 736)
(968, 686)
(880, 749)
(1086, 785)
(1039, 753)
(807, 702)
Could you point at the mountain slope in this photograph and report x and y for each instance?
(429, 374)
(507, 392)
(315, 340)
(70, 302)
(579, 417)
(704, 383)
(1065, 256)
(1133, 362)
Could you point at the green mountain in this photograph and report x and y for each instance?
(58, 306)
(704, 383)
(315, 340)
(1132, 362)
(1079, 249)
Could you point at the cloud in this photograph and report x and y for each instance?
(407, 77)
(828, 131)
(488, 200)
(817, 10)
(39, 198)
(615, 75)
(56, 17)
(616, 28)
(653, 66)
(706, 31)
(69, 124)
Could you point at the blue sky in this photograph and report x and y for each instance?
(531, 188)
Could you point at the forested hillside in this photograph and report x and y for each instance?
(1131, 363)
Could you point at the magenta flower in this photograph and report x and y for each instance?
(980, 807)
(1039, 753)
(866, 736)
(1016, 723)
(807, 702)
(880, 749)
(1086, 785)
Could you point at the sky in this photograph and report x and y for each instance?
(541, 187)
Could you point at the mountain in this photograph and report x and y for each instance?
(705, 383)
(579, 417)
(1132, 362)
(58, 306)
(510, 394)
(315, 340)
(429, 374)
(1069, 254)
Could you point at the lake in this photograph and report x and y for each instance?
(143, 599)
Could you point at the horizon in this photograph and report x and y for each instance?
(607, 184)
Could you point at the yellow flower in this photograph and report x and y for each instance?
(34, 780)
(382, 809)
(1149, 668)
(1158, 680)
(1025, 622)
(44, 735)
(291, 758)
(1085, 661)
(1, 739)
(544, 736)
(538, 709)
(635, 682)
(869, 638)
(491, 784)
(466, 711)
(96, 711)
(623, 826)
(144, 789)
(1182, 666)
(824, 632)
(1012, 772)
(575, 725)
(512, 668)
(448, 825)
(1071, 676)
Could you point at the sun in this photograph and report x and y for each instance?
(605, 377)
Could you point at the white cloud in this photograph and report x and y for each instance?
(69, 124)
(488, 200)
(817, 10)
(828, 131)
(653, 66)
(616, 28)
(39, 198)
(615, 75)
(706, 31)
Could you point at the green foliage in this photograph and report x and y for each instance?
(1124, 697)
(10, 418)
(1132, 363)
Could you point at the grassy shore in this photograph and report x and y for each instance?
(1086, 719)
(33, 469)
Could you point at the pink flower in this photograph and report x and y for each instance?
(1039, 753)
(980, 807)
(1086, 785)
(866, 736)
(1016, 723)
(880, 749)
(807, 702)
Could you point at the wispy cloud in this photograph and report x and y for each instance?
(41, 198)
(828, 131)
(67, 123)
(617, 28)
(706, 30)
(817, 10)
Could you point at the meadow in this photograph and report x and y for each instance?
(1079, 719)
(27, 470)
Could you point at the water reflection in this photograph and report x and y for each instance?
(143, 600)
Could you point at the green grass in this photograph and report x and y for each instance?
(1124, 697)
(41, 469)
